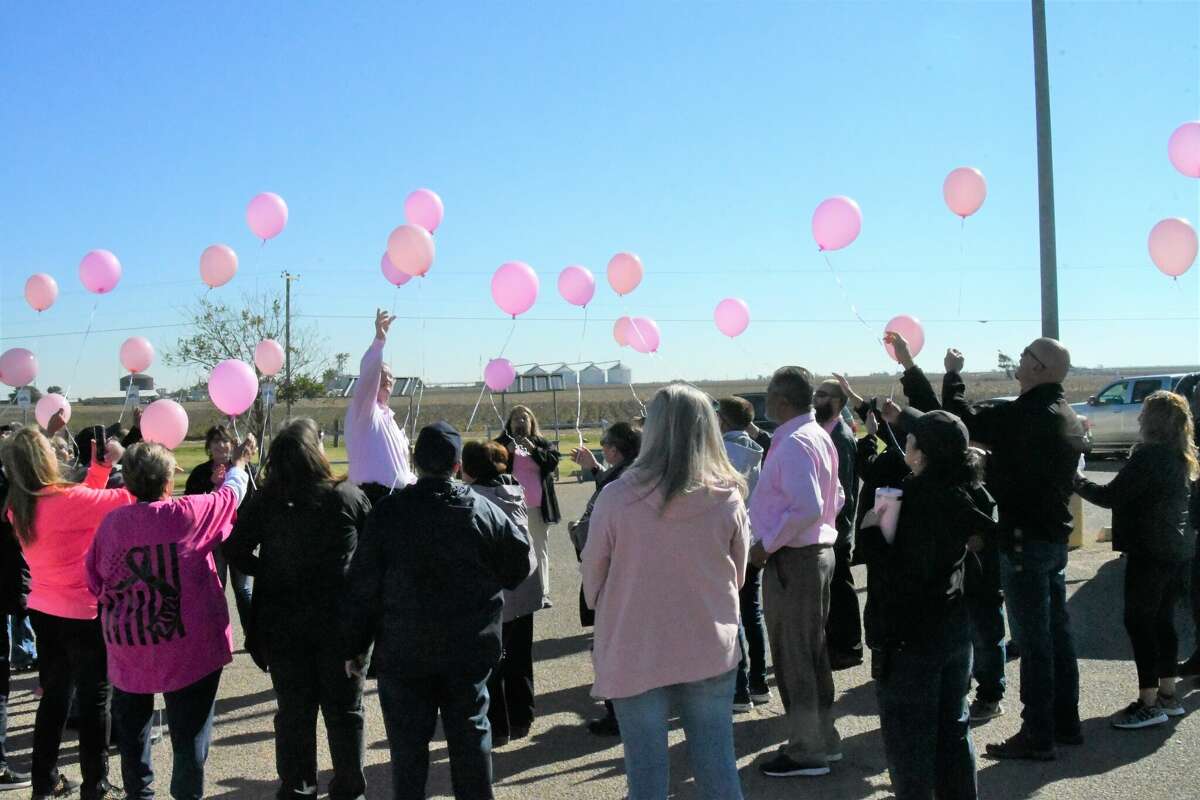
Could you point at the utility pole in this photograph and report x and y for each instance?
(287, 336)
(1041, 84)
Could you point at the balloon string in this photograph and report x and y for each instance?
(475, 410)
(484, 388)
(846, 297)
(511, 331)
(417, 415)
(962, 255)
(238, 437)
(499, 416)
(83, 344)
(578, 384)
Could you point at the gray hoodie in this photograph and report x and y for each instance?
(506, 493)
(746, 456)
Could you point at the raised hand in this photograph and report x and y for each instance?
(872, 423)
(584, 458)
(890, 412)
(900, 345)
(246, 451)
(855, 398)
(113, 452)
(954, 361)
(383, 321)
(57, 423)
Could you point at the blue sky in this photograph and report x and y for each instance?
(700, 136)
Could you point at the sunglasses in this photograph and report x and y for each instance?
(1031, 354)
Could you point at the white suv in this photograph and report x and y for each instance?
(1113, 412)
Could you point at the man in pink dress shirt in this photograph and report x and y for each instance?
(375, 444)
(793, 518)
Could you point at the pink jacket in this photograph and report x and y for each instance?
(664, 586)
(65, 522)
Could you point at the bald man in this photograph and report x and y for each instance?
(1035, 443)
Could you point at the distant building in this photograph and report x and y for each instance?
(142, 381)
(534, 379)
(619, 373)
(340, 386)
(591, 375)
(568, 375)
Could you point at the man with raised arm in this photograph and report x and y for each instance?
(375, 443)
(1035, 443)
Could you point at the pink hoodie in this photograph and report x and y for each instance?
(65, 522)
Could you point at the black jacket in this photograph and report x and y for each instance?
(1035, 443)
(587, 615)
(847, 450)
(546, 457)
(14, 572)
(918, 390)
(917, 581)
(199, 480)
(303, 554)
(1149, 498)
(426, 580)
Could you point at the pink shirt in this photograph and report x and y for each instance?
(798, 496)
(529, 475)
(65, 522)
(664, 586)
(375, 445)
(162, 608)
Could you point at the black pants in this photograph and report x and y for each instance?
(307, 679)
(843, 631)
(1153, 588)
(190, 721)
(1196, 595)
(410, 707)
(511, 684)
(71, 651)
(5, 647)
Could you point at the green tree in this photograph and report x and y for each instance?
(1007, 365)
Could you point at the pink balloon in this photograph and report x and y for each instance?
(267, 215)
(410, 249)
(137, 354)
(577, 285)
(732, 316)
(908, 327)
(48, 406)
(499, 374)
(423, 207)
(1183, 149)
(624, 272)
(515, 287)
(621, 330)
(232, 386)
(165, 422)
(218, 265)
(836, 223)
(1173, 246)
(18, 367)
(41, 291)
(99, 271)
(643, 335)
(964, 191)
(269, 357)
(394, 276)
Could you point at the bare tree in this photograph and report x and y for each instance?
(220, 331)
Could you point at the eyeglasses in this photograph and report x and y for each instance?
(822, 393)
(1031, 354)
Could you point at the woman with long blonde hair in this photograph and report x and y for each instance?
(664, 560)
(1149, 498)
(55, 522)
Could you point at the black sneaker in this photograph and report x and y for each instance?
(63, 787)
(742, 703)
(1138, 715)
(1191, 667)
(844, 659)
(500, 741)
(1020, 747)
(1070, 739)
(605, 726)
(9, 779)
(109, 792)
(760, 695)
(783, 766)
(983, 710)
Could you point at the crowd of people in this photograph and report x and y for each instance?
(707, 543)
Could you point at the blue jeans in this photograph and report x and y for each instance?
(923, 716)
(24, 650)
(985, 604)
(410, 706)
(190, 720)
(1035, 589)
(706, 710)
(752, 637)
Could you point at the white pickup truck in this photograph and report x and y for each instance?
(1113, 412)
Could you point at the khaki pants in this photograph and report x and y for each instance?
(796, 588)
(539, 537)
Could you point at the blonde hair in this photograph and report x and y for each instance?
(1166, 419)
(682, 450)
(32, 469)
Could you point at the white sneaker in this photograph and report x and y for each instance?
(1170, 706)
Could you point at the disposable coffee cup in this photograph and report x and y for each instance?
(887, 507)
